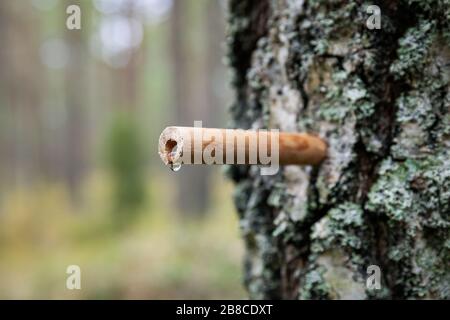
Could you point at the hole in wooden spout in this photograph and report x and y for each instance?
(171, 149)
(171, 146)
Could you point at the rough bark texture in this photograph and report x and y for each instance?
(381, 99)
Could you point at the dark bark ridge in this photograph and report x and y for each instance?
(381, 99)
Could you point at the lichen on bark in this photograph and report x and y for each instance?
(381, 99)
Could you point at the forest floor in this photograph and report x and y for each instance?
(159, 255)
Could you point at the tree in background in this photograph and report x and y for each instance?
(381, 99)
(21, 128)
(126, 161)
(195, 58)
(76, 128)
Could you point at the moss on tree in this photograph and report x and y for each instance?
(381, 99)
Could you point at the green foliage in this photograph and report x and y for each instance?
(125, 158)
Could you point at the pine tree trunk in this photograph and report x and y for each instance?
(381, 100)
(75, 138)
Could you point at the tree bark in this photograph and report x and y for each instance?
(20, 96)
(190, 82)
(75, 95)
(381, 100)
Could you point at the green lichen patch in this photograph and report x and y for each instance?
(415, 197)
(314, 285)
(414, 48)
(343, 227)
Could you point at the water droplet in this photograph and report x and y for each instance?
(175, 167)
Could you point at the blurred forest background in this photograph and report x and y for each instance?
(80, 179)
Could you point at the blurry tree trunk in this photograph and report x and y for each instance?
(125, 149)
(76, 99)
(216, 85)
(21, 93)
(381, 99)
(190, 78)
(3, 111)
(128, 76)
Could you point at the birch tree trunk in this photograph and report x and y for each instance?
(381, 100)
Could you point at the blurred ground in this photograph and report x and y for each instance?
(161, 254)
